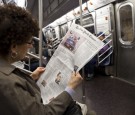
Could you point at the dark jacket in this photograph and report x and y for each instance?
(19, 95)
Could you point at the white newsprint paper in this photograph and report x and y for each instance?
(77, 48)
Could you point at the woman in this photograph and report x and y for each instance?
(19, 94)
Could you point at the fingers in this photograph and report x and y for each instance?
(40, 69)
(77, 74)
(75, 80)
(36, 74)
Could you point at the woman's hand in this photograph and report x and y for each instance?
(75, 80)
(36, 74)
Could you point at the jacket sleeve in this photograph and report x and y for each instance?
(59, 105)
(17, 99)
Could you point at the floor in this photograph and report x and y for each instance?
(105, 95)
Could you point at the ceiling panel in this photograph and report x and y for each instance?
(52, 9)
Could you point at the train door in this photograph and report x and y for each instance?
(125, 14)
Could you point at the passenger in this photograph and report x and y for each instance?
(106, 61)
(90, 66)
(19, 94)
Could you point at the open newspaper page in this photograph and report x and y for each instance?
(77, 48)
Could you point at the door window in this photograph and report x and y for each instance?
(126, 24)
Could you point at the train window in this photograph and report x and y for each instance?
(50, 32)
(77, 21)
(63, 29)
(87, 23)
(86, 20)
(126, 23)
(90, 29)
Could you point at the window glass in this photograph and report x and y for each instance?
(63, 29)
(126, 23)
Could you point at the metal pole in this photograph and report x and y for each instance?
(83, 75)
(40, 3)
(80, 3)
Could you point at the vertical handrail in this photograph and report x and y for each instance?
(80, 3)
(40, 32)
(40, 3)
(83, 75)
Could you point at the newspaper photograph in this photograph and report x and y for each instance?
(76, 49)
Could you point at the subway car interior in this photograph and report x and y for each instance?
(108, 86)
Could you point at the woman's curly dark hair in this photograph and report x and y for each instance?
(16, 26)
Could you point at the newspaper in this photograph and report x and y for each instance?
(77, 48)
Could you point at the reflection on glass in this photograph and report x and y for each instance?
(90, 29)
(63, 30)
(86, 20)
(126, 23)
